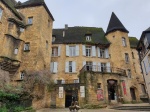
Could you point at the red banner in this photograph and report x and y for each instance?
(100, 95)
(124, 88)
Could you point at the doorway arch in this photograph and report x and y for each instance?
(132, 92)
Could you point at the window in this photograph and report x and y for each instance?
(16, 51)
(146, 42)
(1, 13)
(10, 25)
(102, 53)
(76, 80)
(129, 73)
(143, 88)
(126, 57)
(54, 51)
(53, 39)
(70, 66)
(46, 44)
(72, 51)
(21, 29)
(30, 20)
(26, 46)
(103, 67)
(88, 38)
(89, 66)
(124, 41)
(22, 75)
(98, 85)
(133, 55)
(49, 22)
(88, 51)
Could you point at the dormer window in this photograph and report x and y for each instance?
(53, 39)
(88, 38)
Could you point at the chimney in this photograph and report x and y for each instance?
(66, 28)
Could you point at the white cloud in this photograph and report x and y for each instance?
(134, 14)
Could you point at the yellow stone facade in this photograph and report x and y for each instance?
(116, 59)
(15, 33)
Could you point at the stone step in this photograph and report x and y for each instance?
(138, 108)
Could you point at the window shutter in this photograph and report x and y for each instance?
(67, 67)
(51, 67)
(55, 67)
(16, 51)
(59, 50)
(106, 53)
(77, 50)
(94, 66)
(98, 51)
(73, 66)
(63, 81)
(24, 47)
(84, 63)
(108, 67)
(99, 67)
(67, 50)
(83, 49)
(93, 51)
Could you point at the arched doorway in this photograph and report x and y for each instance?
(112, 89)
(132, 92)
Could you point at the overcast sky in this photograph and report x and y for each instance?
(134, 14)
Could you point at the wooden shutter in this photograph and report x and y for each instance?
(99, 67)
(67, 50)
(93, 51)
(77, 50)
(73, 66)
(55, 67)
(83, 50)
(108, 67)
(94, 66)
(59, 50)
(98, 51)
(67, 67)
(106, 53)
(51, 67)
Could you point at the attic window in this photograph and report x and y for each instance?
(88, 38)
(53, 39)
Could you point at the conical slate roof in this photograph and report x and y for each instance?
(115, 24)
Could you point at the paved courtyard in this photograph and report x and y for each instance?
(85, 110)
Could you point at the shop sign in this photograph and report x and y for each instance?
(100, 95)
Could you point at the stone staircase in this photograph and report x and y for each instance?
(136, 108)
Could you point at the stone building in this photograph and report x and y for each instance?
(25, 37)
(144, 53)
(95, 67)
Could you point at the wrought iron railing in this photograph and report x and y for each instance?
(96, 68)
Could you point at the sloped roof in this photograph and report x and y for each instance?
(11, 5)
(115, 24)
(133, 42)
(31, 3)
(77, 35)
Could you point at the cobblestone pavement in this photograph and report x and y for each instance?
(85, 110)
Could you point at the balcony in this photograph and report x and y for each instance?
(103, 70)
(9, 65)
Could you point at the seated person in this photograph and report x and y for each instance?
(72, 107)
(77, 107)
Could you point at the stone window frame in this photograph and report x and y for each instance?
(127, 58)
(29, 20)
